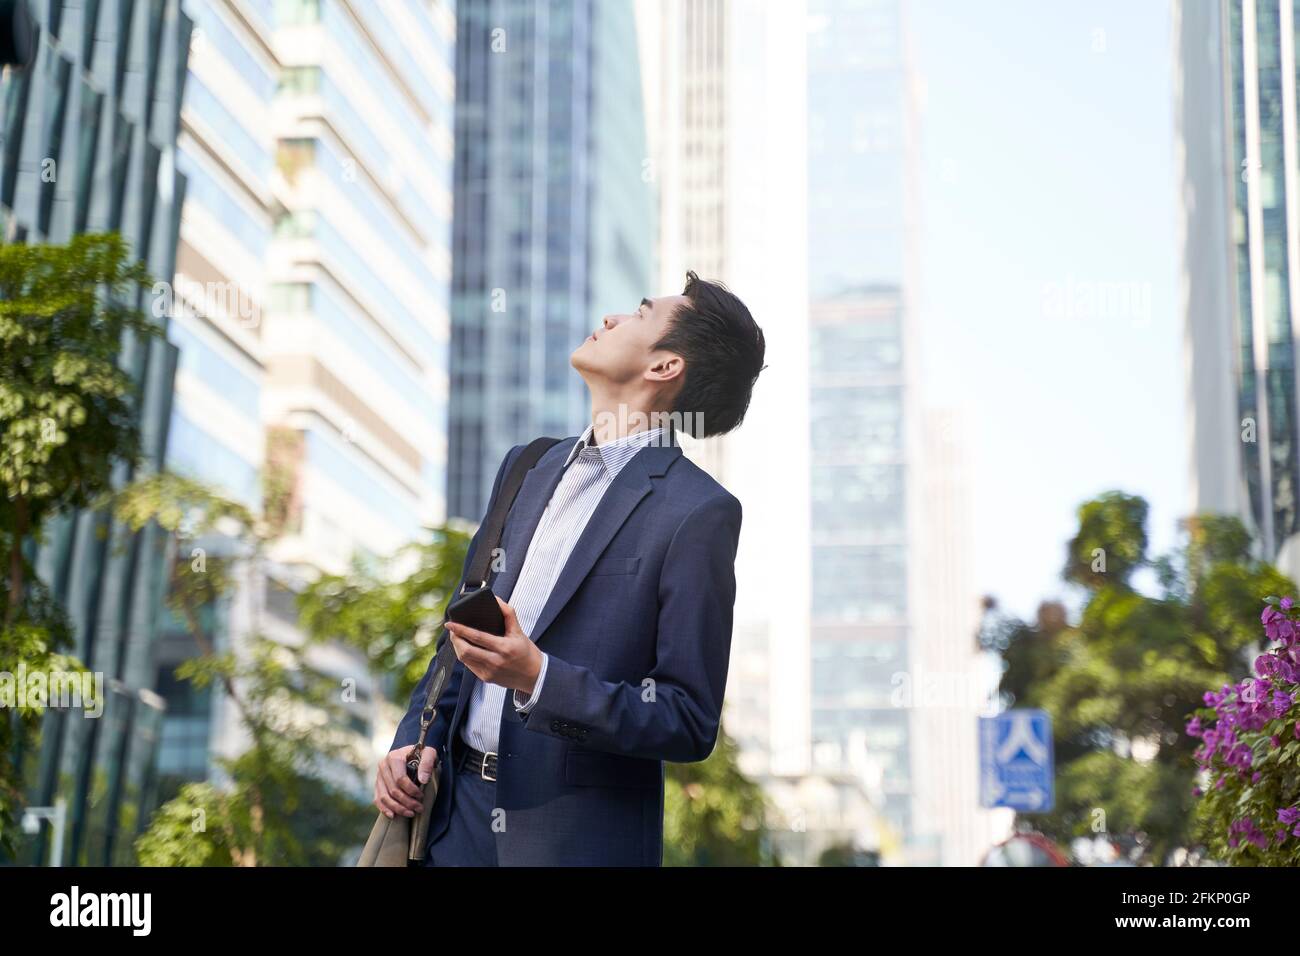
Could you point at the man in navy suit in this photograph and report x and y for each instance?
(616, 579)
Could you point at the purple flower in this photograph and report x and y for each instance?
(1239, 757)
(1281, 703)
(1241, 713)
(1277, 626)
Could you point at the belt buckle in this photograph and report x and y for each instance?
(483, 768)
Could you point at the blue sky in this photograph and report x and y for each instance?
(1049, 268)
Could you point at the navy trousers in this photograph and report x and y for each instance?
(469, 839)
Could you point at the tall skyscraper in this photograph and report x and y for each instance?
(862, 530)
(226, 150)
(864, 411)
(313, 280)
(554, 222)
(357, 324)
(951, 682)
(89, 145)
(1236, 120)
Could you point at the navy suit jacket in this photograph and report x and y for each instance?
(638, 629)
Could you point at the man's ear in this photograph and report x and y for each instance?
(665, 368)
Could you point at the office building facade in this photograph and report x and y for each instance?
(226, 150)
(863, 403)
(1236, 124)
(99, 108)
(357, 327)
(554, 221)
(313, 277)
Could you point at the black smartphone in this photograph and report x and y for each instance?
(478, 609)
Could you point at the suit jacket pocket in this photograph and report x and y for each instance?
(615, 565)
(595, 768)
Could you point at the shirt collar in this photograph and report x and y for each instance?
(618, 452)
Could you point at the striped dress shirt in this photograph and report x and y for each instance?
(588, 471)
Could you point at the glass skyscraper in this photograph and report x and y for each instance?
(554, 223)
(1240, 215)
(862, 415)
(101, 102)
(312, 280)
(226, 150)
(357, 324)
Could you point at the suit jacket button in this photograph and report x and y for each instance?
(555, 725)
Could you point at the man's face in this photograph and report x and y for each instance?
(621, 350)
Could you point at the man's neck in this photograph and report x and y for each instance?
(612, 419)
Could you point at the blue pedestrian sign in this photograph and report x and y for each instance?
(1016, 764)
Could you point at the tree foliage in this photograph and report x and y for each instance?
(390, 612)
(289, 797)
(713, 814)
(67, 421)
(1122, 681)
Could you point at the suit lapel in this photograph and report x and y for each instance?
(620, 499)
(623, 495)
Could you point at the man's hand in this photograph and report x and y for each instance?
(511, 660)
(394, 791)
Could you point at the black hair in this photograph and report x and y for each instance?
(722, 347)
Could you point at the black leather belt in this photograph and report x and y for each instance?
(475, 761)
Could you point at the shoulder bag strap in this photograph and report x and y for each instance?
(489, 538)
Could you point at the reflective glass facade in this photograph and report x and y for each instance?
(860, 406)
(357, 305)
(101, 103)
(554, 222)
(1267, 369)
(1241, 219)
(226, 150)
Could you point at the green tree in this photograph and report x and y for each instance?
(67, 421)
(713, 814)
(392, 610)
(1122, 682)
(289, 800)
